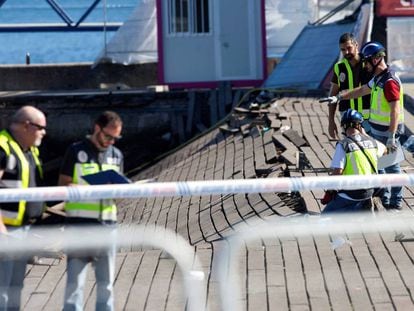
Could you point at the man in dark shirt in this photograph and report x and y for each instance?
(94, 154)
(349, 73)
(20, 167)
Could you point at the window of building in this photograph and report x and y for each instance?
(189, 16)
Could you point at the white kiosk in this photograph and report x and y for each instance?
(203, 42)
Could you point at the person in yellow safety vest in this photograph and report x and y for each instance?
(348, 73)
(386, 111)
(93, 154)
(356, 154)
(20, 167)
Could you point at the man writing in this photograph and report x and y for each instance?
(20, 167)
(386, 111)
(93, 154)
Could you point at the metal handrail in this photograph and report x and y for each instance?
(89, 239)
(332, 13)
(68, 25)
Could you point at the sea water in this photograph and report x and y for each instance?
(58, 47)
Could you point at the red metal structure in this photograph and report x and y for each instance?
(395, 8)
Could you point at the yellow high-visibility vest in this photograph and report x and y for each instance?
(360, 104)
(102, 210)
(14, 214)
(380, 107)
(357, 162)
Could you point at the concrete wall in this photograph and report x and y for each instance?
(75, 76)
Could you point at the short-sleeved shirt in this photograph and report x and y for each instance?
(391, 89)
(360, 76)
(85, 150)
(339, 158)
(359, 73)
(339, 161)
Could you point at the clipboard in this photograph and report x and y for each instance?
(106, 177)
(391, 158)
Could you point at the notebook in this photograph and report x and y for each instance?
(106, 177)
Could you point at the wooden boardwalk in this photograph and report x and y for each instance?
(374, 273)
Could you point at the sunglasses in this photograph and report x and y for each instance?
(38, 126)
(109, 137)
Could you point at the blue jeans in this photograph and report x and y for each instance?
(104, 266)
(366, 126)
(12, 272)
(343, 205)
(392, 195)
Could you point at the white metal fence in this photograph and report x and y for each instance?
(87, 238)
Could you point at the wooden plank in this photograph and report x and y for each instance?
(176, 299)
(275, 123)
(129, 265)
(190, 113)
(356, 288)
(311, 203)
(56, 297)
(222, 99)
(228, 129)
(282, 142)
(236, 98)
(212, 102)
(289, 153)
(295, 281)
(158, 295)
(256, 279)
(294, 137)
(315, 282)
(44, 277)
(142, 283)
(271, 153)
(335, 285)
(180, 128)
(241, 110)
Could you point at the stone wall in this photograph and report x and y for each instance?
(76, 76)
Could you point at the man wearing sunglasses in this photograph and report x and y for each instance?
(348, 73)
(386, 111)
(20, 167)
(93, 154)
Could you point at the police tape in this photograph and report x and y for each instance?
(86, 240)
(208, 187)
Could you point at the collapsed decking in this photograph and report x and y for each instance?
(276, 274)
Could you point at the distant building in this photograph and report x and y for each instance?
(399, 16)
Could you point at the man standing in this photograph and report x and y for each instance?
(356, 154)
(348, 73)
(386, 110)
(93, 154)
(20, 167)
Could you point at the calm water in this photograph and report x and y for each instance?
(57, 47)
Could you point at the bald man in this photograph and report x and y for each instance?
(20, 167)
